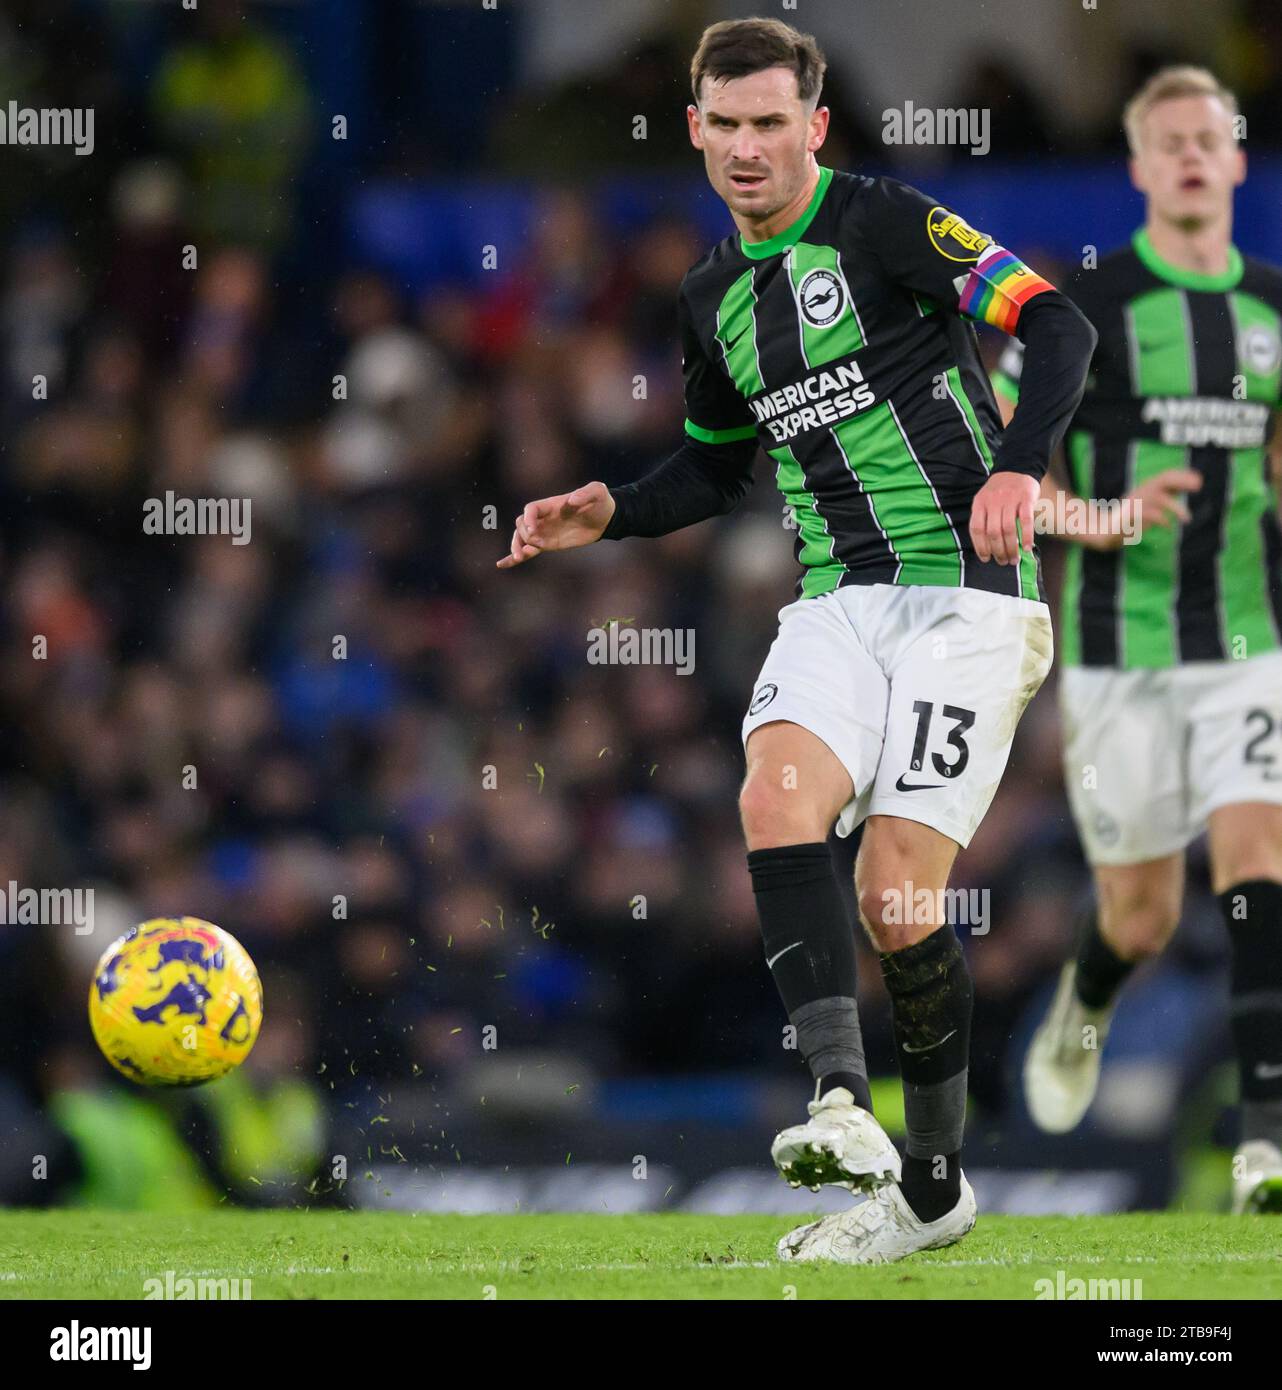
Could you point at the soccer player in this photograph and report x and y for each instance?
(830, 330)
(1172, 692)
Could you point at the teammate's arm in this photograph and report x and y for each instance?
(708, 476)
(1157, 501)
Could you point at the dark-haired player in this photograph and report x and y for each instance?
(831, 331)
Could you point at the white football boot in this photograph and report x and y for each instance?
(840, 1143)
(1061, 1071)
(1259, 1186)
(878, 1231)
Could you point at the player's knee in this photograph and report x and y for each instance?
(1140, 929)
(895, 915)
(872, 910)
(898, 878)
(772, 815)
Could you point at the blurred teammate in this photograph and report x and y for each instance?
(830, 330)
(1172, 696)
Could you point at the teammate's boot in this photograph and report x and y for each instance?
(1257, 1182)
(840, 1143)
(1061, 1072)
(878, 1231)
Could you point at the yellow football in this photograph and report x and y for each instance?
(175, 1002)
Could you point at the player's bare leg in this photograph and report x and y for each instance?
(931, 995)
(793, 789)
(792, 794)
(1137, 910)
(1246, 875)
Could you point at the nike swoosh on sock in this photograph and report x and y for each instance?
(917, 1050)
(770, 962)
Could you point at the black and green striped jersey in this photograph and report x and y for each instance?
(1185, 374)
(842, 344)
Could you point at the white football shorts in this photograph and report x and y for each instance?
(1149, 754)
(916, 689)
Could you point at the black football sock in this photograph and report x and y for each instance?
(1100, 970)
(931, 1186)
(932, 997)
(1253, 913)
(810, 950)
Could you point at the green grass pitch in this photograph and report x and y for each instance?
(73, 1254)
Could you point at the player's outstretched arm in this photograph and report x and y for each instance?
(560, 523)
(700, 480)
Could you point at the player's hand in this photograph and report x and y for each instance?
(1160, 499)
(1006, 498)
(560, 523)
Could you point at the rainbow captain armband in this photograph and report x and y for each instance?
(998, 288)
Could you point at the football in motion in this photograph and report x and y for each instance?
(175, 1002)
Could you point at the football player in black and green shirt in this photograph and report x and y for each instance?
(1172, 644)
(831, 332)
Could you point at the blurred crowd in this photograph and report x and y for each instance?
(387, 767)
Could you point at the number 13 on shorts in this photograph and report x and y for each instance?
(950, 723)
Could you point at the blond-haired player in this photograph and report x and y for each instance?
(1171, 691)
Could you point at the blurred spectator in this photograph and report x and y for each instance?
(233, 107)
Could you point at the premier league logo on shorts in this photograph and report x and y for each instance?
(821, 298)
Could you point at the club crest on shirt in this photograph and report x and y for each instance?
(821, 298)
(952, 236)
(1261, 350)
